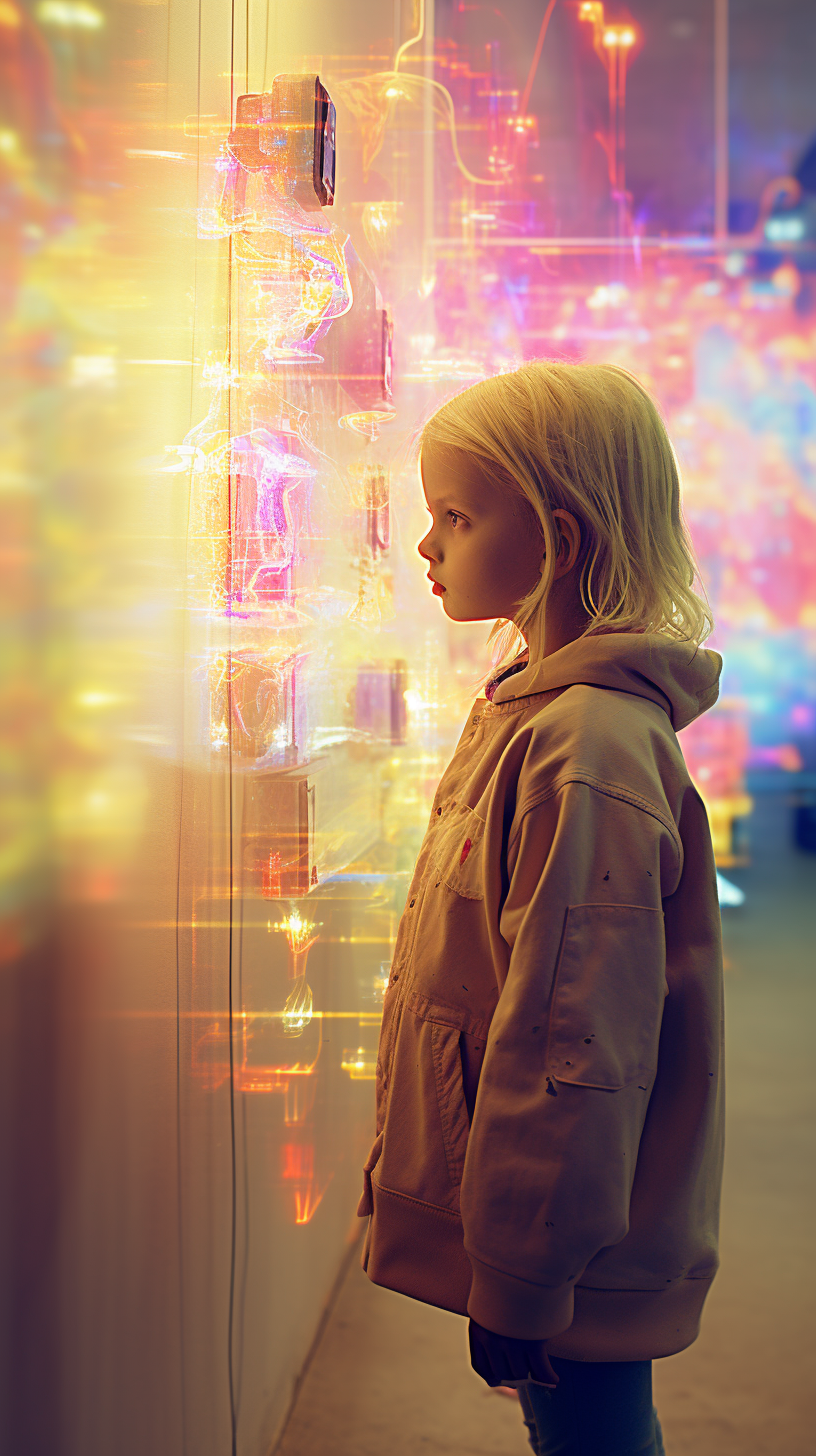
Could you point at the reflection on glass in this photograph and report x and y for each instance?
(227, 308)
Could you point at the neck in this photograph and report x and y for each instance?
(562, 621)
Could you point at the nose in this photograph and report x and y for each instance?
(424, 548)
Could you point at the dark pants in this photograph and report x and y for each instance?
(595, 1410)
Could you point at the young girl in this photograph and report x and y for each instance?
(549, 1081)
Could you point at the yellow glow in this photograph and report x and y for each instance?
(70, 14)
(413, 39)
(297, 1013)
(298, 931)
(91, 369)
(379, 218)
(360, 1064)
(617, 35)
(355, 92)
(96, 698)
(307, 1204)
(150, 152)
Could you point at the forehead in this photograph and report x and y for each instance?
(450, 475)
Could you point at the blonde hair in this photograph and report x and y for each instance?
(587, 438)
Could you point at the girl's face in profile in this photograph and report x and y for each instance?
(484, 547)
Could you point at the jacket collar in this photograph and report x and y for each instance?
(680, 677)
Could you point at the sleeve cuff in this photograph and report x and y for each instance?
(514, 1307)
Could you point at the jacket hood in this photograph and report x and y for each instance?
(681, 678)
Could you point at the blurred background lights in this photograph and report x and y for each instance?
(91, 369)
(784, 229)
(97, 698)
(70, 15)
(234, 282)
(617, 35)
(729, 894)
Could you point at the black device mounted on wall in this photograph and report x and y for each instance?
(292, 130)
(297, 132)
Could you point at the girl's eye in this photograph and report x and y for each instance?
(454, 517)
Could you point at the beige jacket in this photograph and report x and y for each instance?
(549, 1083)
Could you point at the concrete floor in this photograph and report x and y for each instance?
(391, 1377)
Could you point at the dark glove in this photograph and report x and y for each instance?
(501, 1360)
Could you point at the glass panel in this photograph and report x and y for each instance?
(246, 250)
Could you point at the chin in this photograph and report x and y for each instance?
(451, 612)
(464, 616)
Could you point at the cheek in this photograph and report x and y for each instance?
(511, 556)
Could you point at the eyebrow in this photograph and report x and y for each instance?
(447, 503)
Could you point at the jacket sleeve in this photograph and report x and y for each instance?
(571, 1055)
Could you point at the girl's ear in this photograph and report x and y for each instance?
(569, 535)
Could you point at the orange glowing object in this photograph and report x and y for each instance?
(613, 44)
(619, 35)
(297, 1161)
(297, 931)
(271, 884)
(307, 1203)
(360, 1063)
(269, 1063)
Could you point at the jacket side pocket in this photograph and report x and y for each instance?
(366, 1204)
(610, 988)
(450, 1094)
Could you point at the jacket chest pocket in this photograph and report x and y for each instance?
(458, 857)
